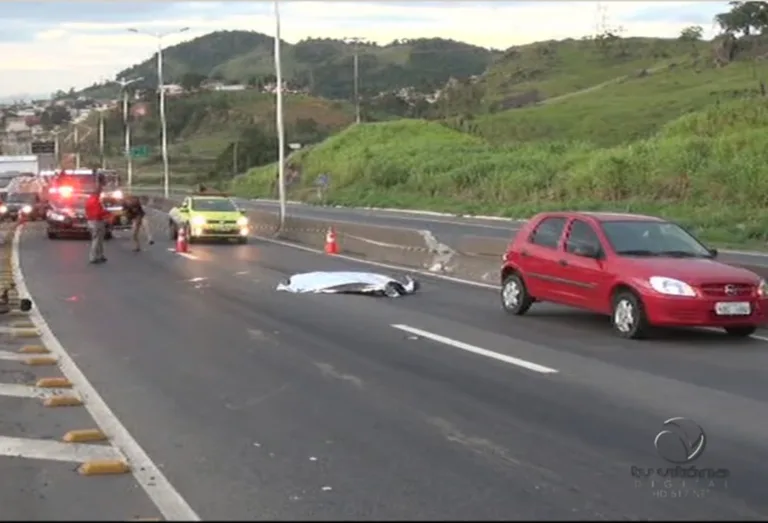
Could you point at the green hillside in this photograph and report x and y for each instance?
(203, 128)
(687, 138)
(324, 67)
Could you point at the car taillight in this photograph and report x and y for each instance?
(53, 190)
(65, 191)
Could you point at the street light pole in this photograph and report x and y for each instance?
(127, 128)
(356, 41)
(279, 118)
(161, 89)
(102, 159)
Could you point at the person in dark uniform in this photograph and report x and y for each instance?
(134, 211)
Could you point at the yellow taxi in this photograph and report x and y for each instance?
(207, 216)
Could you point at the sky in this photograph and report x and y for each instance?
(45, 46)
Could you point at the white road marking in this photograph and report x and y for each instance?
(185, 254)
(13, 330)
(535, 367)
(168, 501)
(199, 278)
(242, 273)
(15, 356)
(13, 390)
(55, 450)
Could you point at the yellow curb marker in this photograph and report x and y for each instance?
(42, 360)
(62, 401)
(54, 383)
(26, 333)
(83, 436)
(103, 467)
(33, 349)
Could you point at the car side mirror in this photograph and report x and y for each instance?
(713, 252)
(183, 209)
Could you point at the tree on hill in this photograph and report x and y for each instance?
(192, 81)
(744, 18)
(693, 35)
(324, 66)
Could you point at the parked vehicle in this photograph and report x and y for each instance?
(641, 270)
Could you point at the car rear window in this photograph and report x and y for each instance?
(213, 204)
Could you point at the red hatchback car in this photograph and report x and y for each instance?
(640, 270)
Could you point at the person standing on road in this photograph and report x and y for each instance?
(135, 213)
(97, 217)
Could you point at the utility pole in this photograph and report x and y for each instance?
(279, 118)
(161, 90)
(77, 147)
(127, 128)
(234, 157)
(102, 158)
(356, 41)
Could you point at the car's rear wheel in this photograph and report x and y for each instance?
(242, 241)
(628, 316)
(740, 332)
(52, 236)
(514, 295)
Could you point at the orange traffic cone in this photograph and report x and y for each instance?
(182, 245)
(331, 247)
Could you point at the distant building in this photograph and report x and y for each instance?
(237, 87)
(173, 89)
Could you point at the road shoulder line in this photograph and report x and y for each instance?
(168, 501)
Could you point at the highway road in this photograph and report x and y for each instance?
(445, 228)
(258, 404)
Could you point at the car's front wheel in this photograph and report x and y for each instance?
(628, 316)
(514, 295)
(740, 332)
(52, 235)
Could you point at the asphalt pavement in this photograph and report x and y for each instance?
(39, 478)
(258, 404)
(444, 228)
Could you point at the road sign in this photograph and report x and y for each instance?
(139, 151)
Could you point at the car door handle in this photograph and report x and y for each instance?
(563, 262)
(524, 253)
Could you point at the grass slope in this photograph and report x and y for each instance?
(687, 142)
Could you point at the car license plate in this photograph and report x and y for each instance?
(733, 308)
(221, 227)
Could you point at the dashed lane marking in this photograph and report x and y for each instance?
(165, 497)
(535, 367)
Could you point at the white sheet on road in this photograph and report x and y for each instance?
(334, 282)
